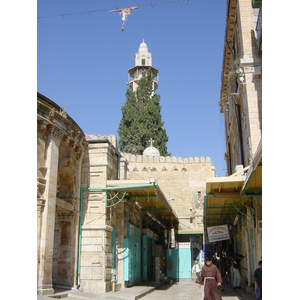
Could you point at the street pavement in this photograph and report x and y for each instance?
(185, 289)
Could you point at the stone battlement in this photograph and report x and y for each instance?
(165, 159)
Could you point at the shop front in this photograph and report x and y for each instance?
(147, 222)
(235, 203)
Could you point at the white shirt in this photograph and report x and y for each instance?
(197, 268)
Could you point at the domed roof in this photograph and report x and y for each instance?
(143, 47)
(151, 151)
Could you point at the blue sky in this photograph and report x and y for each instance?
(83, 61)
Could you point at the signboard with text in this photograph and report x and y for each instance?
(184, 245)
(218, 233)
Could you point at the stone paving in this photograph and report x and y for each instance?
(185, 289)
(188, 289)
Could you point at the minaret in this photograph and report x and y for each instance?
(143, 61)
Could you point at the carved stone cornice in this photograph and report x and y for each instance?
(65, 216)
(42, 125)
(40, 204)
(56, 133)
(227, 51)
(54, 120)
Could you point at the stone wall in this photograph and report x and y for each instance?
(182, 181)
(99, 164)
(241, 89)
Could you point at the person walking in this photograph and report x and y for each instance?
(197, 270)
(210, 277)
(231, 268)
(237, 272)
(258, 280)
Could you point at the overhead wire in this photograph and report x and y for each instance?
(109, 9)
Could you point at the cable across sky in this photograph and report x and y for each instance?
(88, 12)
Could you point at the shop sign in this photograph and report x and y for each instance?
(218, 233)
(184, 245)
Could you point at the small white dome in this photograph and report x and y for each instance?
(143, 47)
(151, 151)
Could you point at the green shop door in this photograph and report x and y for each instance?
(185, 260)
(147, 258)
(173, 264)
(132, 255)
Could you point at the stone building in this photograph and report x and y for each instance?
(107, 219)
(61, 146)
(91, 220)
(236, 200)
(183, 181)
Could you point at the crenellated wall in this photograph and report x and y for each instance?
(166, 159)
(182, 180)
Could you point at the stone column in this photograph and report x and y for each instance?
(95, 263)
(246, 28)
(253, 87)
(44, 282)
(123, 168)
(66, 251)
(40, 209)
(76, 222)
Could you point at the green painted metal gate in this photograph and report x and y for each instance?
(132, 255)
(173, 264)
(113, 246)
(185, 265)
(146, 258)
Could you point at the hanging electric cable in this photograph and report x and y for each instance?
(109, 9)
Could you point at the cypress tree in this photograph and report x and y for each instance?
(141, 120)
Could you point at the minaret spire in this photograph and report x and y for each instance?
(143, 61)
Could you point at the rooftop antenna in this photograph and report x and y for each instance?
(124, 12)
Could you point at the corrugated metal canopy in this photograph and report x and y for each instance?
(228, 196)
(223, 199)
(148, 196)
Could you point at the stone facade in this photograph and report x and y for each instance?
(60, 149)
(73, 222)
(241, 104)
(99, 164)
(182, 180)
(241, 88)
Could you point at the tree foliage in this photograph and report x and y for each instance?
(141, 120)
